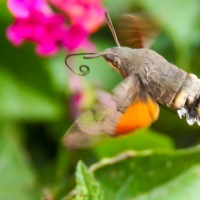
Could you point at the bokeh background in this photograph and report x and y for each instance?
(38, 100)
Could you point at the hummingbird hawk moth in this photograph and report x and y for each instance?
(149, 80)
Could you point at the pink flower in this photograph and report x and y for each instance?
(46, 31)
(22, 8)
(35, 21)
(88, 13)
(74, 37)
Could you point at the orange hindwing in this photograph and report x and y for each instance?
(138, 115)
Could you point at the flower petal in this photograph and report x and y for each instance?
(89, 14)
(22, 8)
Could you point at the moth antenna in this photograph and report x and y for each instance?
(110, 25)
(84, 69)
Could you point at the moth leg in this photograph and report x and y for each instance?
(191, 110)
(195, 110)
(185, 112)
(197, 106)
(182, 112)
(187, 101)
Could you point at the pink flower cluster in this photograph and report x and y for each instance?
(69, 27)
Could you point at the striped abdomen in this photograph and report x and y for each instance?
(179, 90)
(172, 86)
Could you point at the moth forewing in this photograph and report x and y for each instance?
(137, 31)
(114, 116)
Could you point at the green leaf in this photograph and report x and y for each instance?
(21, 101)
(87, 187)
(150, 175)
(17, 177)
(138, 140)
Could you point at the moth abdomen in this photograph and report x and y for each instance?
(187, 100)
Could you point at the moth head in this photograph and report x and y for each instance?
(121, 59)
(116, 57)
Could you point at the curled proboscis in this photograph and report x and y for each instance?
(84, 69)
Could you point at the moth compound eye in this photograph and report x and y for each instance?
(117, 62)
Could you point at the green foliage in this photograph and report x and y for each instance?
(148, 175)
(141, 139)
(151, 175)
(87, 187)
(35, 113)
(17, 176)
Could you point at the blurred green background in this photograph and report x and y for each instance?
(34, 101)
